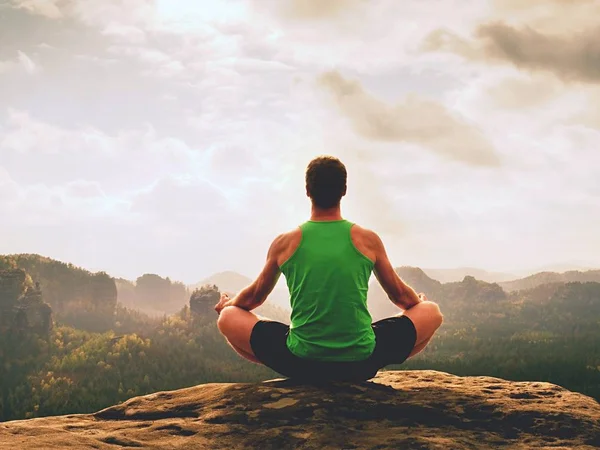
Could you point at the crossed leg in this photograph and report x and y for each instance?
(427, 318)
(236, 325)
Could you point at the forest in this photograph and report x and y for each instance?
(102, 349)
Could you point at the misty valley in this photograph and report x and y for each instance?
(73, 341)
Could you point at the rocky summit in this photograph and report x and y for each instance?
(396, 410)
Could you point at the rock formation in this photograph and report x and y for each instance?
(22, 307)
(32, 314)
(398, 409)
(12, 285)
(68, 288)
(204, 299)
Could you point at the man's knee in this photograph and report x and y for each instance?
(427, 318)
(434, 313)
(226, 317)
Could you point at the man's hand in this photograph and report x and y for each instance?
(223, 302)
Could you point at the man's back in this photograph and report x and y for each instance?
(327, 275)
(327, 263)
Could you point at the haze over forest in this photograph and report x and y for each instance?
(75, 341)
(171, 137)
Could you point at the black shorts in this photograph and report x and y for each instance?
(395, 338)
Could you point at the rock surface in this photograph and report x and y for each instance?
(398, 409)
(22, 307)
(32, 314)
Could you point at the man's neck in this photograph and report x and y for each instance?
(325, 215)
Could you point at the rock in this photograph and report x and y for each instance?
(398, 409)
(204, 299)
(32, 314)
(22, 308)
(12, 286)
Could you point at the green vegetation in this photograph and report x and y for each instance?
(74, 371)
(548, 333)
(101, 352)
(79, 298)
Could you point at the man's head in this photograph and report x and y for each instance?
(326, 181)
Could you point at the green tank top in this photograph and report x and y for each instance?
(328, 279)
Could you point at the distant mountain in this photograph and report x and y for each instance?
(541, 278)
(558, 267)
(458, 274)
(226, 281)
(68, 289)
(475, 294)
(381, 306)
(152, 295)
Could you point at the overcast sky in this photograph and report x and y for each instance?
(171, 136)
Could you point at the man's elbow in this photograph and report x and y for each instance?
(403, 305)
(404, 301)
(398, 300)
(254, 299)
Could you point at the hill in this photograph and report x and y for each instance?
(152, 294)
(226, 281)
(470, 290)
(458, 274)
(76, 296)
(541, 278)
(549, 332)
(415, 409)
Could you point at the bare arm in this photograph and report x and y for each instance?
(254, 295)
(397, 290)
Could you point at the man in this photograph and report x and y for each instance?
(327, 263)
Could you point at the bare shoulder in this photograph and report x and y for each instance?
(366, 236)
(366, 241)
(289, 237)
(286, 244)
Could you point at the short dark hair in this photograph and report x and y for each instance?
(326, 178)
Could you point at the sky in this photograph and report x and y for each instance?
(172, 136)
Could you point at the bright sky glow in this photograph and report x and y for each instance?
(171, 137)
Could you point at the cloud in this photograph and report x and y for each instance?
(5, 66)
(112, 13)
(517, 5)
(573, 57)
(51, 205)
(160, 64)
(47, 8)
(22, 61)
(589, 115)
(29, 66)
(549, 16)
(129, 158)
(102, 171)
(9, 190)
(147, 55)
(84, 189)
(127, 33)
(519, 93)
(414, 120)
(174, 199)
(317, 9)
